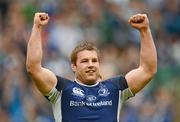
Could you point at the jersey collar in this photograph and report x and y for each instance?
(76, 80)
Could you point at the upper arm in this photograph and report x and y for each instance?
(44, 79)
(138, 78)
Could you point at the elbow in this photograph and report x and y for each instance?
(31, 68)
(149, 71)
(152, 72)
(28, 68)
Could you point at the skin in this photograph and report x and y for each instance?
(87, 65)
(43, 78)
(139, 77)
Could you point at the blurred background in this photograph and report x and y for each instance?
(104, 22)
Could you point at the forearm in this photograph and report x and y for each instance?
(148, 55)
(140, 76)
(34, 48)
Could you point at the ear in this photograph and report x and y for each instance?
(73, 66)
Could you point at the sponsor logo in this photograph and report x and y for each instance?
(78, 92)
(91, 98)
(92, 104)
(76, 103)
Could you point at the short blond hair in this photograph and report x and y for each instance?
(84, 45)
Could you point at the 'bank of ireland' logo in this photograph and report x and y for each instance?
(103, 91)
(78, 92)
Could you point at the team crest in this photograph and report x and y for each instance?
(103, 91)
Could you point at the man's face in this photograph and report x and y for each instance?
(87, 67)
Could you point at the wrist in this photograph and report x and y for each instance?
(37, 26)
(145, 29)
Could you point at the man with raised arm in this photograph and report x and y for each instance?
(89, 98)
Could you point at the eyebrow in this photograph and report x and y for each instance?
(88, 58)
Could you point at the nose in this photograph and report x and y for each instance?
(90, 64)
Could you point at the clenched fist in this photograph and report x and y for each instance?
(139, 21)
(41, 19)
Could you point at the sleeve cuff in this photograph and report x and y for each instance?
(53, 95)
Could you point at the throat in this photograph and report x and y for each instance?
(88, 84)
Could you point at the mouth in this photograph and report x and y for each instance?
(90, 71)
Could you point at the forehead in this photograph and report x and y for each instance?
(86, 54)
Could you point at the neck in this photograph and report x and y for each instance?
(87, 84)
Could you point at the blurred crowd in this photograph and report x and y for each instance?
(104, 22)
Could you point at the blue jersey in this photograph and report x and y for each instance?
(76, 102)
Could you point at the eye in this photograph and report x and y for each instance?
(94, 60)
(84, 61)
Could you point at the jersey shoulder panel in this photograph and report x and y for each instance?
(120, 82)
(62, 82)
(53, 95)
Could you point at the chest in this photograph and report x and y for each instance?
(98, 96)
(97, 104)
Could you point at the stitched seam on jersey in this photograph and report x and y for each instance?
(131, 93)
(57, 113)
(119, 103)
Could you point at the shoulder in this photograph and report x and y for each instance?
(62, 82)
(119, 82)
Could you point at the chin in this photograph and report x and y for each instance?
(91, 80)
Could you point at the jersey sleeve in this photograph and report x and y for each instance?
(53, 95)
(122, 85)
(126, 94)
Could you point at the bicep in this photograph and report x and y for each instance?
(137, 79)
(44, 80)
